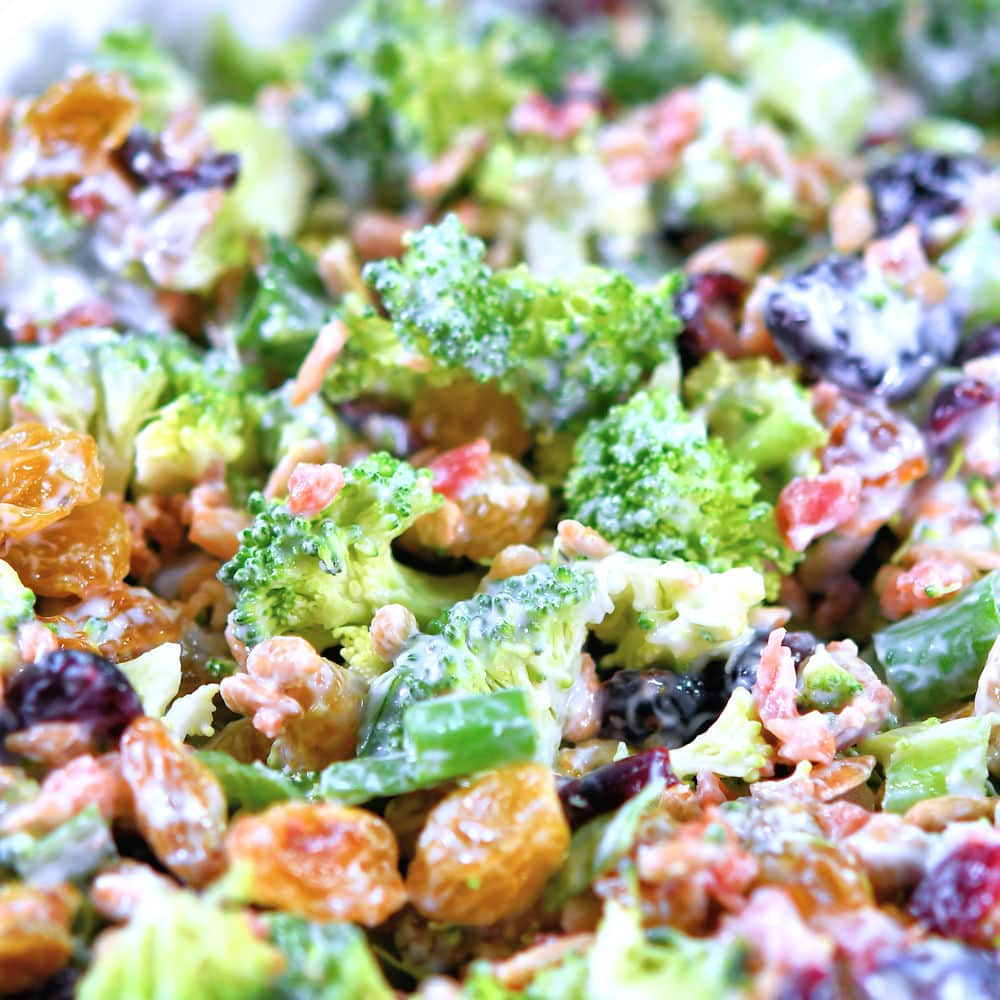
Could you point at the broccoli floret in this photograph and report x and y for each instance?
(526, 631)
(186, 438)
(104, 384)
(760, 412)
(824, 684)
(564, 349)
(311, 576)
(733, 746)
(649, 479)
(278, 425)
(17, 606)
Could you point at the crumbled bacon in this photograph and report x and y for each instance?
(811, 506)
(927, 582)
(312, 488)
(454, 469)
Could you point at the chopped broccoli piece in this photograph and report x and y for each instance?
(156, 677)
(17, 602)
(254, 786)
(831, 107)
(564, 349)
(932, 758)
(236, 70)
(760, 412)
(972, 276)
(825, 685)
(649, 479)
(324, 961)
(311, 576)
(187, 437)
(733, 746)
(177, 946)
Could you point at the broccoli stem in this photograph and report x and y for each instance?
(932, 660)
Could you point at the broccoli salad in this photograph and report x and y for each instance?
(501, 501)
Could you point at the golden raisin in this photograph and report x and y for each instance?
(448, 416)
(121, 622)
(44, 473)
(487, 850)
(92, 111)
(179, 805)
(88, 549)
(35, 939)
(322, 860)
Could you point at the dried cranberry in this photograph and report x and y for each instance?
(828, 319)
(960, 897)
(981, 344)
(72, 685)
(639, 704)
(919, 187)
(812, 984)
(145, 159)
(609, 786)
(709, 305)
(933, 970)
(954, 403)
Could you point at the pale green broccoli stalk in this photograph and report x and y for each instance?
(187, 438)
(325, 961)
(310, 576)
(162, 84)
(17, 602)
(235, 70)
(733, 746)
(624, 962)
(809, 78)
(564, 349)
(358, 652)
(526, 632)
(761, 413)
(177, 946)
(672, 612)
(288, 308)
(824, 684)
(156, 677)
(929, 759)
(972, 276)
(650, 480)
(271, 194)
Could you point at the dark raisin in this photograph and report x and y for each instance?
(62, 986)
(866, 338)
(709, 306)
(933, 970)
(981, 344)
(919, 187)
(812, 984)
(954, 403)
(144, 158)
(609, 786)
(960, 896)
(72, 685)
(659, 704)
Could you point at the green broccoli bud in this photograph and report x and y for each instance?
(327, 961)
(165, 952)
(649, 479)
(831, 107)
(278, 425)
(825, 685)
(311, 576)
(186, 438)
(930, 759)
(971, 275)
(564, 349)
(358, 652)
(761, 413)
(733, 746)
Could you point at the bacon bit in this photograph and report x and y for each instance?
(392, 625)
(34, 640)
(741, 256)
(926, 583)
(852, 219)
(576, 540)
(85, 199)
(519, 970)
(375, 235)
(583, 709)
(514, 560)
(649, 143)
(339, 270)
(52, 743)
(710, 789)
(456, 468)
(900, 257)
(309, 450)
(811, 506)
(324, 352)
(434, 179)
(312, 488)
(936, 815)
(801, 737)
(95, 312)
(842, 818)
(117, 892)
(841, 776)
(84, 781)
(557, 120)
(215, 526)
